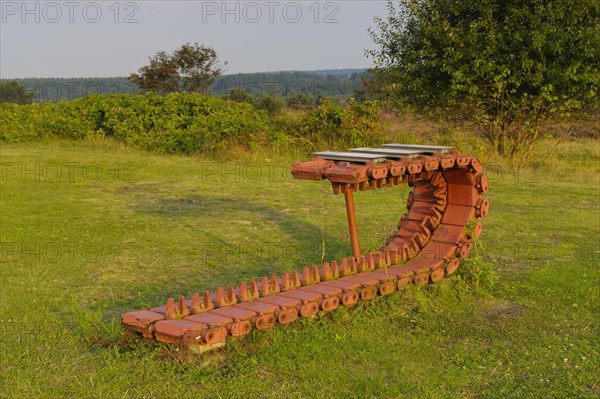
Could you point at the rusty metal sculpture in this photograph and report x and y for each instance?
(444, 207)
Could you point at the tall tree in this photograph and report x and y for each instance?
(507, 64)
(191, 68)
(12, 92)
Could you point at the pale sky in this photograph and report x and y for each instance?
(73, 38)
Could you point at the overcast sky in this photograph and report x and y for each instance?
(107, 38)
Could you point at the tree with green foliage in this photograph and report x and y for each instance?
(240, 96)
(508, 65)
(192, 68)
(12, 92)
(301, 100)
(271, 104)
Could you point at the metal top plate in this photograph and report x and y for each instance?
(389, 152)
(349, 156)
(423, 148)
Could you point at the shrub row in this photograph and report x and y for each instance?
(188, 123)
(339, 127)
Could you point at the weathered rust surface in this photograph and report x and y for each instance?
(444, 209)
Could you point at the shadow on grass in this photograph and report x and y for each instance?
(294, 249)
(247, 257)
(220, 210)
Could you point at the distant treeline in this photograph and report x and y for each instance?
(323, 83)
(55, 89)
(316, 84)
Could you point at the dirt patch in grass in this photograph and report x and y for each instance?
(496, 309)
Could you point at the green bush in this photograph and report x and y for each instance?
(176, 123)
(271, 104)
(185, 123)
(341, 126)
(299, 100)
(20, 123)
(240, 96)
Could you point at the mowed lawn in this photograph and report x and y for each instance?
(91, 230)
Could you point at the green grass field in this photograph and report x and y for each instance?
(91, 230)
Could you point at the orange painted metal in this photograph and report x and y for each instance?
(351, 213)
